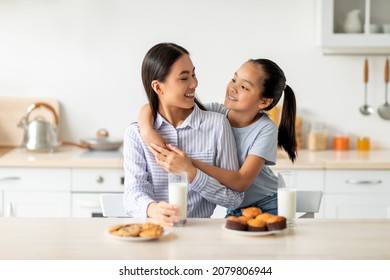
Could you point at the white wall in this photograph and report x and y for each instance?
(88, 54)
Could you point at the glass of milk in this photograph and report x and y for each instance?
(287, 196)
(177, 188)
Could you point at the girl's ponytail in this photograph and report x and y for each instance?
(286, 134)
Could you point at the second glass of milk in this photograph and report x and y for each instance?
(177, 188)
(287, 196)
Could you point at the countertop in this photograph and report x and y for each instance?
(70, 156)
(199, 239)
(66, 156)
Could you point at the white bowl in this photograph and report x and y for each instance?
(386, 28)
(374, 28)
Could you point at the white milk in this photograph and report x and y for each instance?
(287, 203)
(178, 196)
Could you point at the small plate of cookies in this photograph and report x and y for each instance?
(136, 232)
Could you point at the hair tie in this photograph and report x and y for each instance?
(285, 85)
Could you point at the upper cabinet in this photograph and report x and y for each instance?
(355, 26)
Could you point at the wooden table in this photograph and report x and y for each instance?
(200, 239)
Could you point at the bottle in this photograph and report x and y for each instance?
(317, 138)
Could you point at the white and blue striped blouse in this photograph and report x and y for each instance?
(205, 136)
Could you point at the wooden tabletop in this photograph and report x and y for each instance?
(85, 238)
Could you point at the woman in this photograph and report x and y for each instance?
(169, 79)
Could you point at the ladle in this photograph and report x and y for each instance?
(366, 109)
(384, 110)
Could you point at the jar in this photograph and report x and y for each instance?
(363, 144)
(317, 138)
(341, 143)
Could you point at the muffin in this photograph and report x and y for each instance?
(234, 223)
(251, 212)
(256, 225)
(263, 216)
(244, 219)
(276, 223)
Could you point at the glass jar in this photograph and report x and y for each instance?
(341, 143)
(317, 137)
(363, 144)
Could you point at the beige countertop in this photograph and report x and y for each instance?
(70, 156)
(199, 239)
(375, 159)
(66, 156)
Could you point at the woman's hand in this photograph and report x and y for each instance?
(163, 212)
(172, 159)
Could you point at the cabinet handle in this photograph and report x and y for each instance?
(100, 179)
(363, 182)
(15, 178)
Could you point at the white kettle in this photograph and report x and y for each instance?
(352, 22)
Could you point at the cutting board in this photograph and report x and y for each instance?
(12, 109)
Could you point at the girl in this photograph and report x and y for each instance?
(255, 88)
(168, 76)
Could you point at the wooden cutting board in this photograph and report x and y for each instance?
(12, 109)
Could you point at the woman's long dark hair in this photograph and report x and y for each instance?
(157, 66)
(274, 84)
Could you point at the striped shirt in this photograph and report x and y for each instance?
(205, 136)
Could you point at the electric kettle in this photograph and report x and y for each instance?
(39, 134)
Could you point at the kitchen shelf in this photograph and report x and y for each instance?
(335, 38)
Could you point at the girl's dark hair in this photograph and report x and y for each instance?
(274, 84)
(157, 66)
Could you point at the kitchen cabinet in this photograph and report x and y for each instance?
(336, 18)
(35, 192)
(56, 192)
(36, 204)
(357, 194)
(88, 184)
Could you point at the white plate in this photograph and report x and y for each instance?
(135, 239)
(251, 233)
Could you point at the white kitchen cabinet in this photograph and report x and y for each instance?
(86, 205)
(97, 180)
(336, 39)
(36, 204)
(35, 192)
(357, 194)
(88, 184)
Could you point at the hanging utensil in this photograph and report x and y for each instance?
(384, 110)
(366, 109)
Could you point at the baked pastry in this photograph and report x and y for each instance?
(244, 219)
(234, 223)
(263, 216)
(276, 223)
(257, 225)
(137, 230)
(251, 212)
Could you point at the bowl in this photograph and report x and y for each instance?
(386, 28)
(374, 28)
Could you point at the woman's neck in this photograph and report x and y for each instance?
(238, 119)
(174, 115)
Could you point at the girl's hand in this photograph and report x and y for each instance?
(163, 212)
(172, 159)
